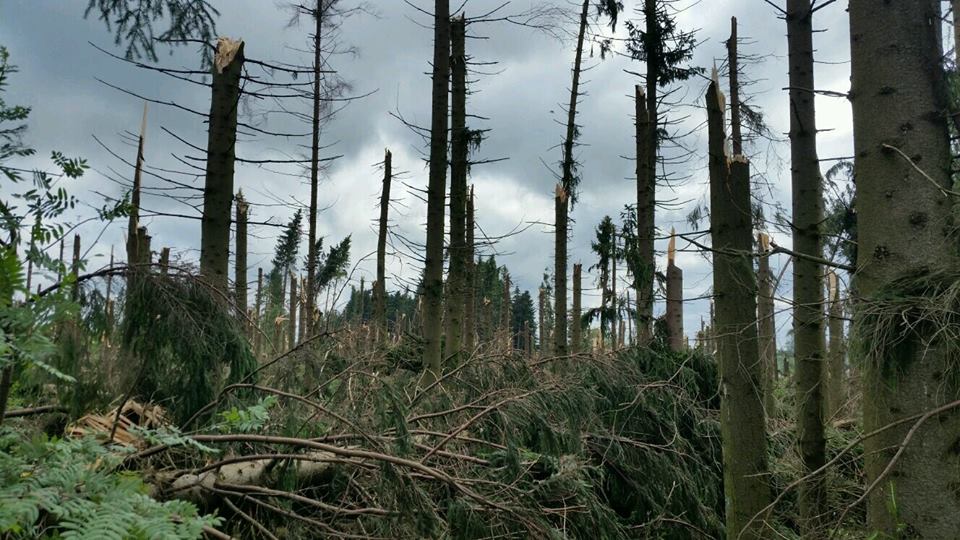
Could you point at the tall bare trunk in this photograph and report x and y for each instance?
(257, 313)
(674, 314)
(576, 334)
(240, 257)
(165, 261)
(766, 322)
(562, 197)
(456, 282)
(380, 288)
(648, 143)
(646, 203)
(906, 233)
(133, 218)
(470, 301)
(436, 194)
(741, 411)
(615, 302)
(733, 61)
(221, 154)
(292, 314)
(75, 268)
(808, 323)
(541, 311)
(311, 292)
(505, 326)
(834, 366)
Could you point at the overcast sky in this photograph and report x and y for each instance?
(520, 97)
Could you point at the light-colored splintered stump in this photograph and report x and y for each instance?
(674, 315)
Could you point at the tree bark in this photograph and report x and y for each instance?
(380, 288)
(436, 193)
(505, 326)
(564, 192)
(470, 300)
(311, 292)
(733, 61)
(576, 334)
(292, 314)
(240, 263)
(766, 323)
(543, 328)
(614, 301)
(646, 203)
(221, 153)
(164, 261)
(647, 173)
(257, 313)
(674, 314)
(834, 371)
(459, 141)
(133, 219)
(905, 230)
(741, 411)
(75, 268)
(808, 320)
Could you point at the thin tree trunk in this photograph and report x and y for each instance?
(741, 411)
(646, 204)
(165, 261)
(808, 320)
(733, 61)
(292, 314)
(674, 314)
(257, 313)
(456, 283)
(564, 191)
(240, 262)
(505, 320)
(221, 153)
(543, 328)
(576, 333)
(380, 288)
(436, 193)
(834, 371)
(646, 209)
(314, 162)
(905, 232)
(470, 301)
(615, 322)
(75, 269)
(766, 322)
(133, 218)
(955, 6)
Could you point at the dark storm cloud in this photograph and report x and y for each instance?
(522, 98)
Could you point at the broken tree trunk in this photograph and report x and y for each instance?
(436, 195)
(75, 268)
(292, 313)
(614, 301)
(459, 147)
(165, 261)
(470, 299)
(380, 288)
(742, 418)
(240, 262)
(133, 218)
(576, 329)
(836, 352)
(221, 155)
(766, 322)
(674, 314)
(505, 318)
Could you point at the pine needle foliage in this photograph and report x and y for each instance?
(620, 446)
(182, 342)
